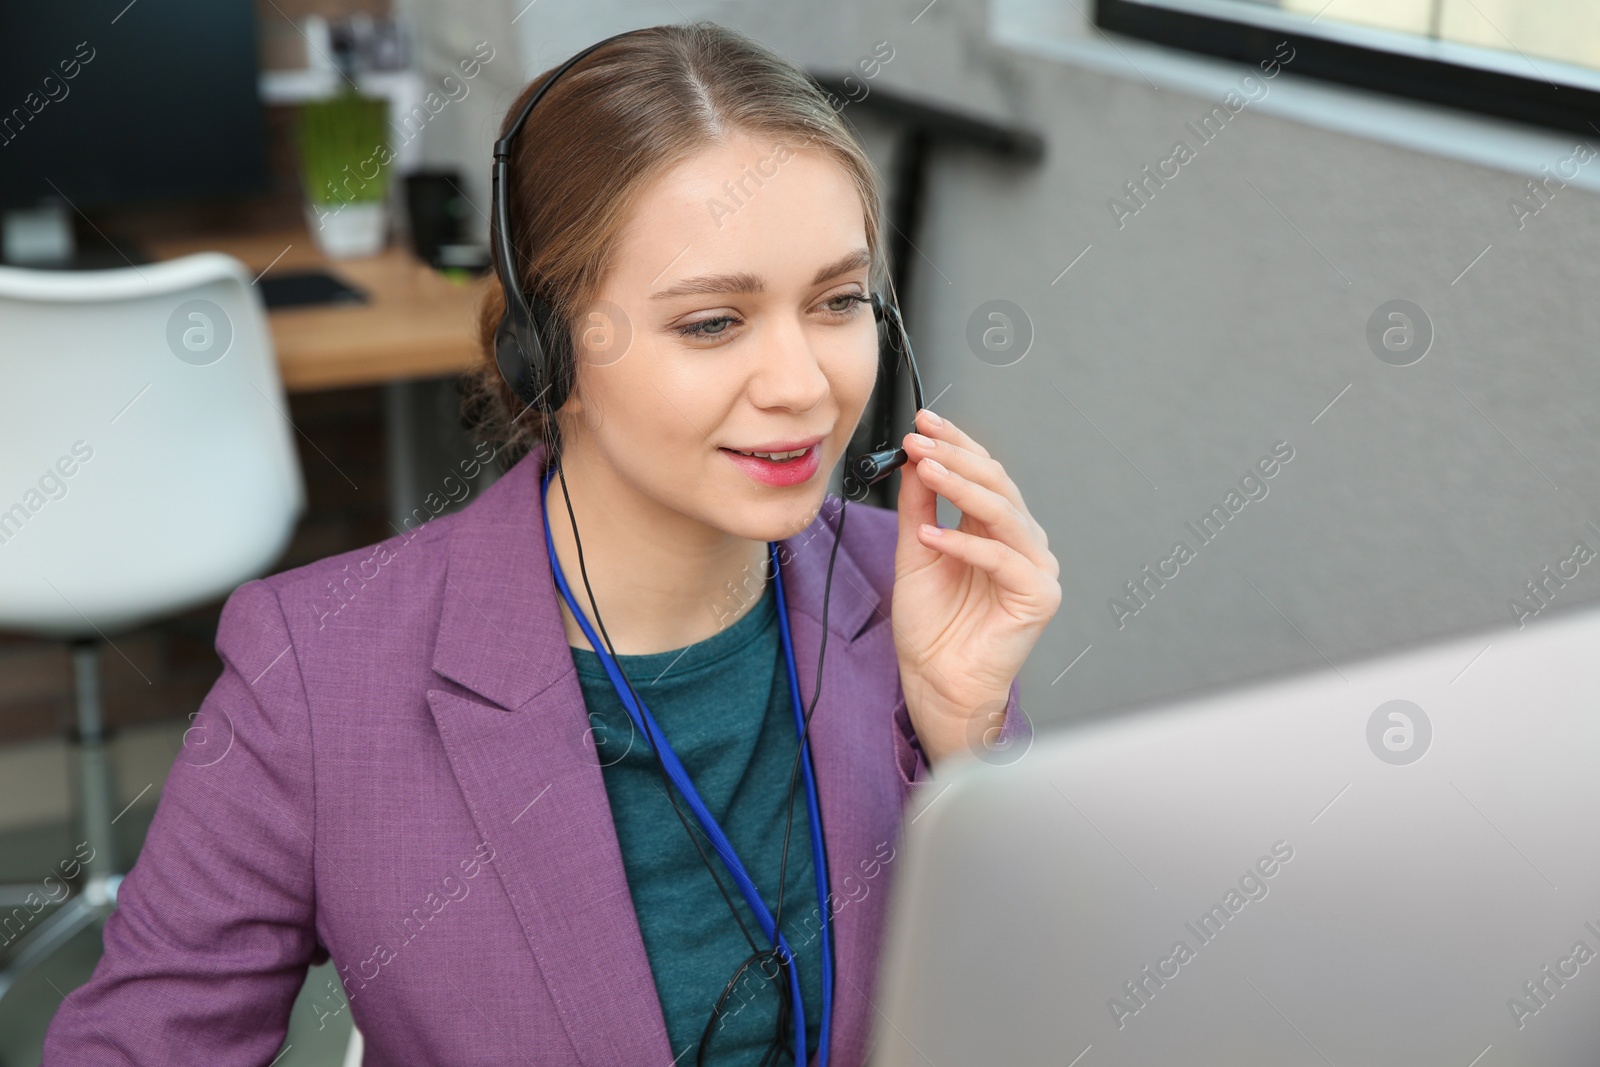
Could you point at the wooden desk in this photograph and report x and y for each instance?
(418, 324)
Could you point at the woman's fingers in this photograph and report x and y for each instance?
(1010, 525)
(1008, 568)
(942, 428)
(965, 459)
(985, 470)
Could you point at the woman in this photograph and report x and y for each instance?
(416, 761)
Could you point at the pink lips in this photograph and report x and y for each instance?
(788, 472)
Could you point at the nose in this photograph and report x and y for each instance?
(788, 375)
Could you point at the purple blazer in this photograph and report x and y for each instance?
(393, 771)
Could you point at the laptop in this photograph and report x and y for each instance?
(1395, 861)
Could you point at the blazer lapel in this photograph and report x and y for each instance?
(531, 779)
(858, 790)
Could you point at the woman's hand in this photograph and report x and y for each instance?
(969, 603)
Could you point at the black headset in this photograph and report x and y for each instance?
(533, 348)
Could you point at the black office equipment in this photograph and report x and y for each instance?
(435, 208)
(105, 104)
(306, 289)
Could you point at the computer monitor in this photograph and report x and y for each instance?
(107, 103)
(1391, 862)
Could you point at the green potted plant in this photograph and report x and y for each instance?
(344, 162)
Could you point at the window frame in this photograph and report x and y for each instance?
(1357, 60)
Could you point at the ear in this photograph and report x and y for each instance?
(573, 406)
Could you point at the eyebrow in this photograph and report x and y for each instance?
(745, 282)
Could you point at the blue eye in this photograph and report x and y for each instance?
(855, 299)
(716, 327)
(701, 328)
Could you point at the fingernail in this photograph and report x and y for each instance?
(933, 420)
(931, 531)
(918, 439)
(934, 465)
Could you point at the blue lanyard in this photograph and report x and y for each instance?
(646, 724)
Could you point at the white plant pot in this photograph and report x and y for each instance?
(345, 231)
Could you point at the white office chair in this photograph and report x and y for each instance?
(355, 1050)
(147, 465)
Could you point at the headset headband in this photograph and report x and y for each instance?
(520, 341)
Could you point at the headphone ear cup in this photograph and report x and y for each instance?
(518, 351)
(886, 343)
(894, 338)
(555, 367)
(534, 360)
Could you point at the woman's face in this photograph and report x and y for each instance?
(735, 319)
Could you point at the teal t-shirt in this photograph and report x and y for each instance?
(725, 708)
